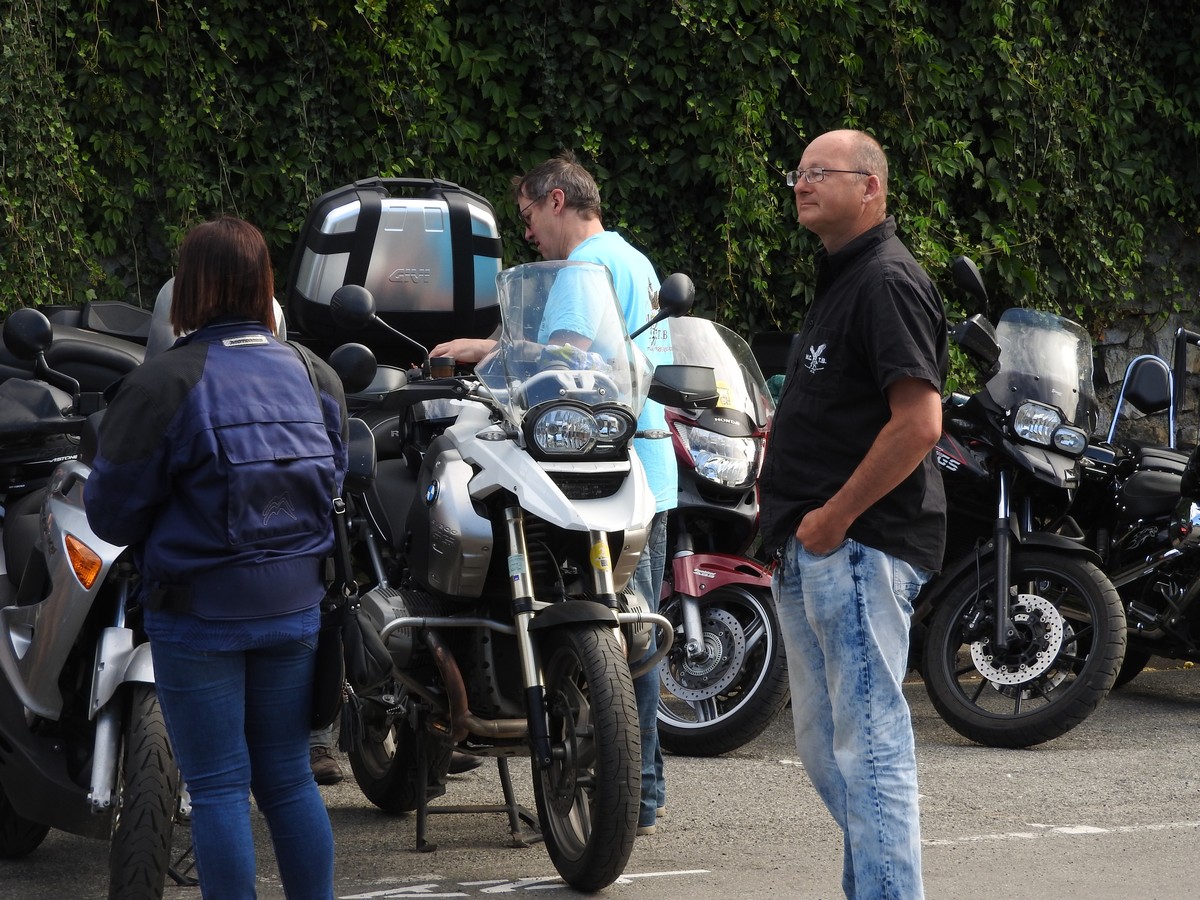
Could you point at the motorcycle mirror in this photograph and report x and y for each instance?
(28, 333)
(352, 307)
(977, 338)
(675, 298)
(355, 366)
(688, 387)
(966, 276)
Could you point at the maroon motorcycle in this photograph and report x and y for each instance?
(725, 677)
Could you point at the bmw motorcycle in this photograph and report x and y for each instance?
(496, 520)
(1022, 634)
(725, 677)
(83, 747)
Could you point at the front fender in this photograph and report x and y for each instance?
(118, 660)
(699, 573)
(572, 612)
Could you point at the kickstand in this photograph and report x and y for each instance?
(180, 869)
(517, 814)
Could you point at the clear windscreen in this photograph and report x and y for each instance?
(1047, 358)
(563, 337)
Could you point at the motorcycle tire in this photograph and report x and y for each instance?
(1131, 666)
(711, 707)
(147, 788)
(386, 764)
(588, 798)
(18, 836)
(1062, 663)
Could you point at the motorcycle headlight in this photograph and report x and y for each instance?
(1037, 423)
(574, 429)
(728, 461)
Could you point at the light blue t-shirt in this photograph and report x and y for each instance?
(635, 282)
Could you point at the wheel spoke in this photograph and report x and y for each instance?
(755, 632)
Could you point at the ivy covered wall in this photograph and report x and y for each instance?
(1057, 143)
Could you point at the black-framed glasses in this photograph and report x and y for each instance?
(528, 206)
(814, 174)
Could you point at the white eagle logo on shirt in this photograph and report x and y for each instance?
(814, 360)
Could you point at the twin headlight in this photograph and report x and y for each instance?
(568, 428)
(1037, 423)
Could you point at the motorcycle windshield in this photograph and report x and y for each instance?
(563, 338)
(740, 382)
(1046, 358)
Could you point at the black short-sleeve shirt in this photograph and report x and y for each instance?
(876, 317)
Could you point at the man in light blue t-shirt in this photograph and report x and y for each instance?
(559, 203)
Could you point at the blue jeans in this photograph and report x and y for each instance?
(239, 722)
(845, 620)
(647, 580)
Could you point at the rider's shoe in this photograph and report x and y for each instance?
(325, 767)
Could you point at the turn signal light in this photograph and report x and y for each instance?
(84, 561)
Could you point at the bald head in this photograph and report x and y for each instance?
(852, 196)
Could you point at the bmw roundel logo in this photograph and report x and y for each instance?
(431, 493)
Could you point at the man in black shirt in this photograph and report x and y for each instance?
(853, 507)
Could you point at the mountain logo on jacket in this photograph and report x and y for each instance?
(281, 505)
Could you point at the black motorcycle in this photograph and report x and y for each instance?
(1139, 509)
(1022, 634)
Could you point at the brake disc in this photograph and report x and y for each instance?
(1039, 639)
(700, 679)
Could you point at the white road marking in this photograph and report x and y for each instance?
(501, 886)
(1045, 830)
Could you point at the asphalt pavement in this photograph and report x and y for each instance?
(1109, 810)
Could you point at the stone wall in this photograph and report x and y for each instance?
(1151, 329)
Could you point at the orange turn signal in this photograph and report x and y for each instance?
(84, 561)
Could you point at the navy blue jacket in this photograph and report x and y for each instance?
(217, 464)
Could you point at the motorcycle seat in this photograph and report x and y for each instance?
(1161, 459)
(1149, 493)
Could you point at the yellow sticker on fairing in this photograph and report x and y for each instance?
(600, 558)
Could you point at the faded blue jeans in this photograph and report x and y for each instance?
(647, 580)
(845, 620)
(239, 722)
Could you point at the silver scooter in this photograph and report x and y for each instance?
(83, 747)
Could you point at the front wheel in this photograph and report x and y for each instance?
(1062, 661)
(588, 797)
(147, 789)
(726, 695)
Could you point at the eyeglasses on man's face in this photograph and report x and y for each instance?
(528, 206)
(814, 174)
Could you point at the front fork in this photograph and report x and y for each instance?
(118, 661)
(1004, 630)
(525, 606)
(523, 609)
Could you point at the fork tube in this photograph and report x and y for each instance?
(1003, 541)
(522, 604)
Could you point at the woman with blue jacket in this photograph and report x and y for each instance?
(218, 463)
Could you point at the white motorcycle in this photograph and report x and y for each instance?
(496, 520)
